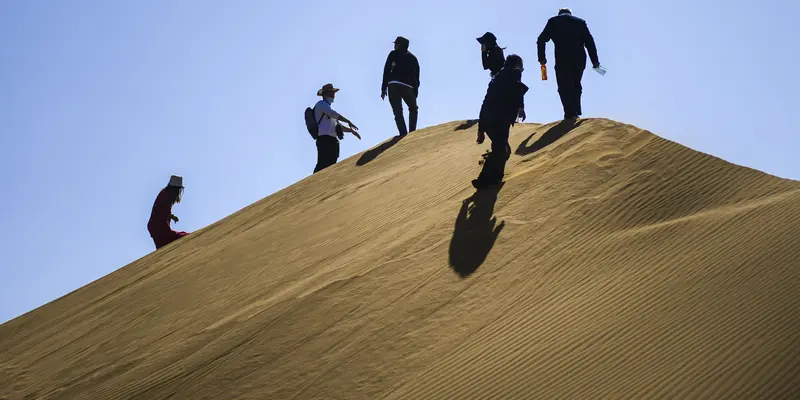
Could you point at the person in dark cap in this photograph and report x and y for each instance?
(401, 80)
(491, 54)
(503, 104)
(570, 35)
(330, 130)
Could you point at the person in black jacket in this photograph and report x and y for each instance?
(401, 79)
(492, 55)
(569, 35)
(503, 104)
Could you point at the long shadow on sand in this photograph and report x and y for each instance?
(373, 153)
(467, 124)
(475, 232)
(551, 136)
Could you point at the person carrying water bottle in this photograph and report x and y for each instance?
(570, 35)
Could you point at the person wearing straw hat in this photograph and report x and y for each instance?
(401, 81)
(330, 130)
(161, 214)
(570, 35)
(492, 55)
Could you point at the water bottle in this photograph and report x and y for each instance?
(544, 72)
(600, 70)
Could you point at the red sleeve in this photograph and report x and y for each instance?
(162, 209)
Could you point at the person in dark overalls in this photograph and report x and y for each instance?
(492, 55)
(569, 35)
(503, 104)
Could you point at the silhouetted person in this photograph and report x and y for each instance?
(492, 55)
(503, 104)
(330, 130)
(569, 35)
(161, 214)
(401, 79)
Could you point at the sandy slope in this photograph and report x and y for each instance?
(619, 265)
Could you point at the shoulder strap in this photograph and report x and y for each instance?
(320, 118)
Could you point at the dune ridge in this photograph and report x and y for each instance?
(612, 264)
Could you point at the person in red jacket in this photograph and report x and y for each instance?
(161, 215)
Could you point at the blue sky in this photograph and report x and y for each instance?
(101, 101)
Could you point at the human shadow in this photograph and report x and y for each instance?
(467, 124)
(475, 232)
(551, 136)
(373, 153)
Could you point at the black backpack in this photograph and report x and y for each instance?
(312, 125)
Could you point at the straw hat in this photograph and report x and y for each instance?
(328, 88)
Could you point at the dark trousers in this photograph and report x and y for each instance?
(397, 95)
(570, 90)
(327, 152)
(495, 165)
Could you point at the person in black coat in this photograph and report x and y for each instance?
(492, 55)
(401, 80)
(569, 35)
(503, 104)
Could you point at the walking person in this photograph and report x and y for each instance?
(570, 35)
(492, 55)
(503, 104)
(161, 215)
(330, 131)
(401, 81)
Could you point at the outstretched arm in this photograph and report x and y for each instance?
(332, 114)
(544, 37)
(351, 130)
(347, 121)
(588, 41)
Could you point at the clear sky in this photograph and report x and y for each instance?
(101, 101)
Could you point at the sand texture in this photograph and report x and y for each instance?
(611, 264)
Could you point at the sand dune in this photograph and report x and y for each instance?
(612, 264)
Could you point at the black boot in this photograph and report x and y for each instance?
(401, 125)
(412, 120)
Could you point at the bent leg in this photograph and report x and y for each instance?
(495, 164)
(396, 101)
(164, 238)
(410, 98)
(500, 151)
